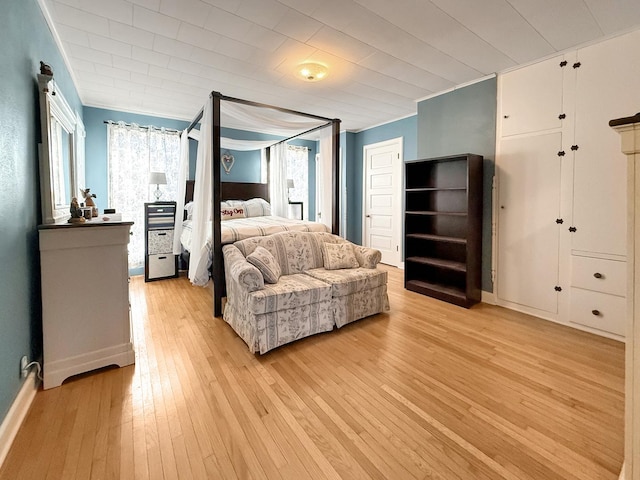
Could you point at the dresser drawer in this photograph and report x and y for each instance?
(161, 266)
(160, 241)
(599, 310)
(606, 276)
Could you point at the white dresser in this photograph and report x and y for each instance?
(85, 298)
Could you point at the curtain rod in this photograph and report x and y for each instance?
(144, 127)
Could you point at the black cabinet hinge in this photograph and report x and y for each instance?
(559, 221)
(561, 153)
(563, 63)
(577, 65)
(574, 147)
(557, 288)
(572, 229)
(562, 116)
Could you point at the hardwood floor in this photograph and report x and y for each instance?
(428, 391)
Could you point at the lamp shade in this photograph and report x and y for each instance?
(290, 183)
(157, 178)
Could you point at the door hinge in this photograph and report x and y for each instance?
(559, 221)
(557, 288)
(493, 276)
(577, 65)
(574, 147)
(562, 116)
(572, 229)
(561, 153)
(563, 63)
(397, 248)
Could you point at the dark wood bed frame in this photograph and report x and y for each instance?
(244, 191)
(234, 191)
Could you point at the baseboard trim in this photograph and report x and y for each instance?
(489, 297)
(17, 413)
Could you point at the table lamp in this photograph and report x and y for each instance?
(290, 185)
(157, 179)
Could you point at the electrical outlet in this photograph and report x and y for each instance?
(23, 366)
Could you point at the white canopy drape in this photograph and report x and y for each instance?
(202, 198)
(183, 175)
(278, 180)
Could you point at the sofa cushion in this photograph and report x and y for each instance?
(338, 255)
(291, 291)
(266, 263)
(295, 252)
(349, 281)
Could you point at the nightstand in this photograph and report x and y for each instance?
(159, 260)
(301, 204)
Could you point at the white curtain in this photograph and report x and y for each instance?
(298, 171)
(202, 198)
(324, 178)
(133, 152)
(278, 180)
(183, 175)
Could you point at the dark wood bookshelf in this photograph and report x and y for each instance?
(443, 228)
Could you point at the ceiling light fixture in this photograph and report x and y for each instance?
(312, 72)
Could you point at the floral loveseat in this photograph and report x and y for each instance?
(286, 294)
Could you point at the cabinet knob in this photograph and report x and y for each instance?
(505, 116)
(368, 216)
(598, 275)
(596, 312)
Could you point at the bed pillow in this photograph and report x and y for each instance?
(188, 207)
(257, 207)
(230, 213)
(339, 255)
(266, 263)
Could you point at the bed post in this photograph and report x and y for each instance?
(218, 266)
(335, 182)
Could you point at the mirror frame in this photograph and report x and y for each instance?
(53, 105)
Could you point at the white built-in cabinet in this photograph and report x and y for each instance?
(560, 207)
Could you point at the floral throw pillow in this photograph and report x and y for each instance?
(338, 255)
(266, 263)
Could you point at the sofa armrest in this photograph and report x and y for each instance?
(367, 257)
(240, 274)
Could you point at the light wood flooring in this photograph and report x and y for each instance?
(428, 391)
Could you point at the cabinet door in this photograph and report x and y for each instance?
(528, 205)
(606, 88)
(532, 98)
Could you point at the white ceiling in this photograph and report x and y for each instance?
(163, 57)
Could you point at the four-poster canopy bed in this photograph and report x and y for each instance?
(208, 184)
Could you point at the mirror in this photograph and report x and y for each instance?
(61, 152)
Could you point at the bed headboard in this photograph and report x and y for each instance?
(235, 190)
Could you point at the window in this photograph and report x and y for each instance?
(134, 152)
(298, 171)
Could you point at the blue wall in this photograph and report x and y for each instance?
(25, 40)
(406, 128)
(464, 121)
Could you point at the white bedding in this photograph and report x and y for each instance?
(241, 228)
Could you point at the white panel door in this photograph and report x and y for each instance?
(606, 88)
(531, 98)
(382, 204)
(528, 206)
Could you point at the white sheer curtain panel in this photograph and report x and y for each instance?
(298, 171)
(134, 152)
(278, 180)
(202, 198)
(324, 178)
(183, 175)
